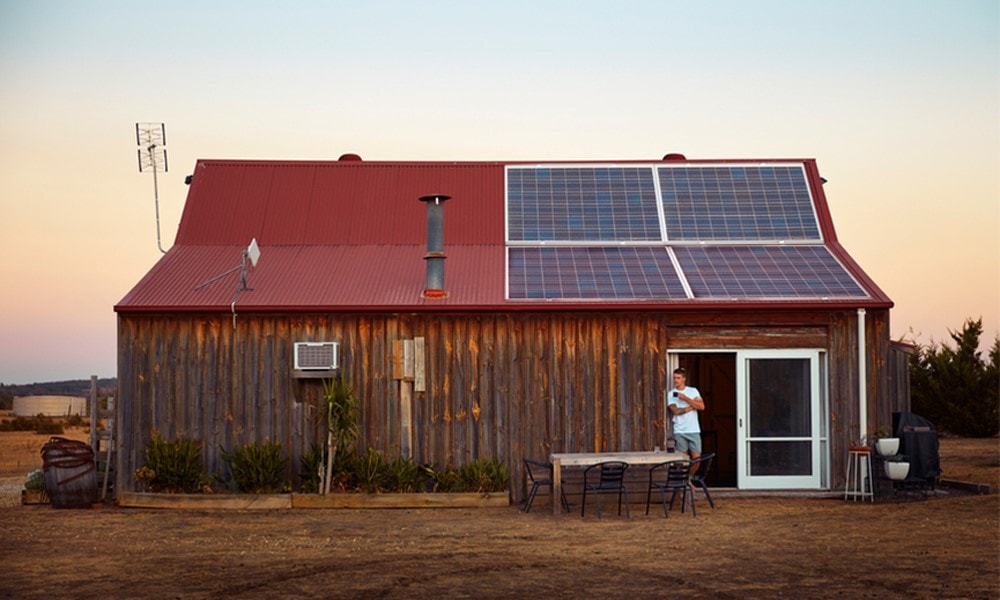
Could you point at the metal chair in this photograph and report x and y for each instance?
(540, 475)
(698, 478)
(671, 476)
(603, 478)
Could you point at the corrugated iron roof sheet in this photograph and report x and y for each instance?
(351, 235)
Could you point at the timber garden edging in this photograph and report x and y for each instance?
(282, 501)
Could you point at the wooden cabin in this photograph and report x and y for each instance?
(511, 309)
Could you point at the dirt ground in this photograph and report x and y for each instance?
(947, 546)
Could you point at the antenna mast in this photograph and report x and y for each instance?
(152, 140)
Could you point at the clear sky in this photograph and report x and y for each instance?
(898, 100)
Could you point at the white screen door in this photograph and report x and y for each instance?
(778, 407)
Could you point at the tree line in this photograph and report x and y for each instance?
(955, 387)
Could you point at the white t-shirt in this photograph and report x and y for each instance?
(687, 422)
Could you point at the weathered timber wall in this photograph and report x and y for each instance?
(509, 385)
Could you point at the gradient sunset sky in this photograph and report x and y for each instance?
(898, 101)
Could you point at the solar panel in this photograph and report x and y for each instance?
(737, 203)
(581, 204)
(606, 273)
(761, 272)
(594, 232)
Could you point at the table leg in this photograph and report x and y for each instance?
(557, 487)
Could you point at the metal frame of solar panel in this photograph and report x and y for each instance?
(667, 232)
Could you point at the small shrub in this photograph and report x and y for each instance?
(442, 480)
(311, 464)
(40, 424)
(48, 427)
(483, 476)
(402, 475)
(176, 465)
(75, 420)
(144, 477)
(257, 468)
(370, 472)
(35, 481)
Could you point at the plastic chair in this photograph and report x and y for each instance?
(603, 478)
(540, 475)
(698, 478)
(672, 476)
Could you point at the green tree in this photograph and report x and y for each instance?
(341, 423)
(954, 387)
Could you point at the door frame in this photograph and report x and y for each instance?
(819, 393)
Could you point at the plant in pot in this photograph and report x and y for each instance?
(897, 467)
(886, 446)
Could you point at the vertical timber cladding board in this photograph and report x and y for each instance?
(440, 445)
(406, 401)
(558, 400)
(419, 369)
(457, 398)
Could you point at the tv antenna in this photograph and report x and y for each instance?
(251, 253)
(152, 140)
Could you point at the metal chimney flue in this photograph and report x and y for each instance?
(435, 245)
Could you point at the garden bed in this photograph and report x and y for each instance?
(282, 501)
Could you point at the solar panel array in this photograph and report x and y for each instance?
(675, 232)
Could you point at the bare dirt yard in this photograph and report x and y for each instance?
(947, 546)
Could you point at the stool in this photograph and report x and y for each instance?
(859, 475)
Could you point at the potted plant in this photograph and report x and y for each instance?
(897, 467)
(886, 446)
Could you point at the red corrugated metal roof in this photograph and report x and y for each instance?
(351, 235)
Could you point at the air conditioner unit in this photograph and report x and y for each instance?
(316, 356)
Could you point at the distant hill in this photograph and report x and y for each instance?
(76, 387)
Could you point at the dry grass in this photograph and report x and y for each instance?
(943, 547)
(975, 460)
(21, 451)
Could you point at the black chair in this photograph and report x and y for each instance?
(540, 475)
(698, 478)
(603, 478)
(672, 476)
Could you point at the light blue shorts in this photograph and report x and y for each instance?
(688, 442)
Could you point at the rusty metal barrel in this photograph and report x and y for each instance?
(70, 473)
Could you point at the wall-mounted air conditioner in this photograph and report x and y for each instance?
(317, 356)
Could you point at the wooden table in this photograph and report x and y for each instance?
(586, 459)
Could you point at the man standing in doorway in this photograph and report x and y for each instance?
(683, 401)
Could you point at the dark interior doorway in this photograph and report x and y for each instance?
(714, 374)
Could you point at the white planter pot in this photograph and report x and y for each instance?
(888, 446)
(897, 471)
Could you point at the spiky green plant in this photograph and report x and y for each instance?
(176, 465)
(403, 475)
(370, 471)
(484, 475)
(257, 468)
(311, 464)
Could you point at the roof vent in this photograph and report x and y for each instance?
(674, 156)
(349, 157)
(435, 245)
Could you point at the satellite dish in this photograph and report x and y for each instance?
(253, 252)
